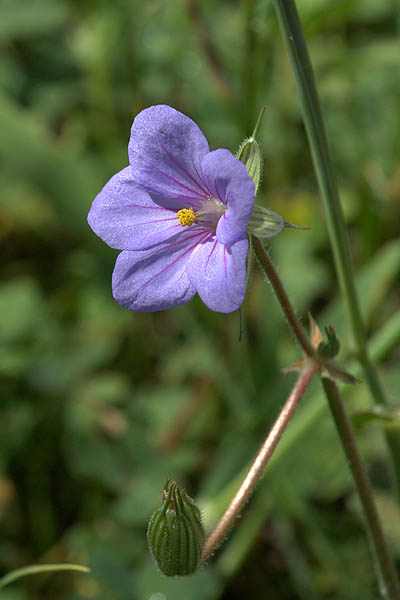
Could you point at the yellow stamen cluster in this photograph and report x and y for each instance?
(186, 217)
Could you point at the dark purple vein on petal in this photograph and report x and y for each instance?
(211, 252)
(171, 264)
(218, 192)
(185, 171)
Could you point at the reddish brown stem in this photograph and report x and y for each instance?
(293, 320)
(257, 468)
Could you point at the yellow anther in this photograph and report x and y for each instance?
(186, 216)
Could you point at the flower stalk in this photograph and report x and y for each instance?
(385, 570)
(257, 468)
(293, 320)
(297, 50)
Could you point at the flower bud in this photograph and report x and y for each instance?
(330, 347)
(250, 154)
(175, 533)
(265, 223)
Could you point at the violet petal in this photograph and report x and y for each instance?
(125, 217)
(218, 273)
(228, 180)
(156, 279)
(165, 152)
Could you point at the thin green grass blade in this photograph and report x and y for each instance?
(37, 569)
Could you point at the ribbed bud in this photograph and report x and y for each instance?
(250, 154)
(265, 223)
(175, 533)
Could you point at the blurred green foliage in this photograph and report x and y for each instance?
(99, 406)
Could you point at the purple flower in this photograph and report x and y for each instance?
(179, 213)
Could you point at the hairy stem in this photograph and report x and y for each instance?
(293, 320)
(256, 470)
(385, 570)
(386, 573)
(296, 48)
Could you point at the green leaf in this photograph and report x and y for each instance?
(24, 18)
(21, 306)
(58, 172)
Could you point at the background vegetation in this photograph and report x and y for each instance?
(99, 405)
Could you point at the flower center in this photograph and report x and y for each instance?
(208, 216)
(186, 216)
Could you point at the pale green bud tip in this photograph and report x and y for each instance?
(175, 533)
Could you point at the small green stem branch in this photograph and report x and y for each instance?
(293, 320)
(257, 468)
(296, 48)
(386, 573)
